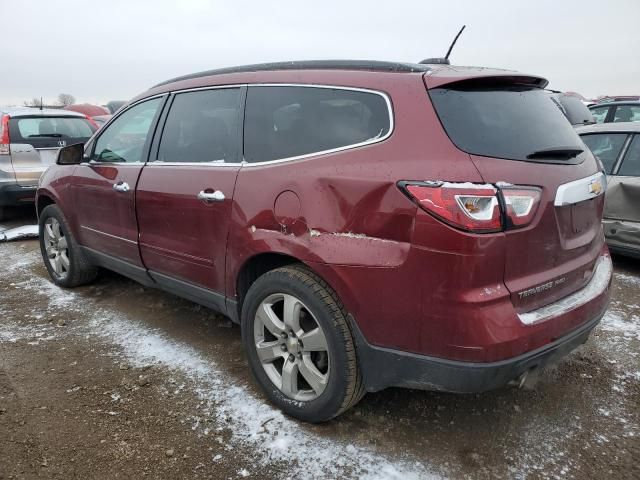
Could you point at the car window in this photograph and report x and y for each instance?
(54, 127)
(605, 146)
(290, 121)
(202, 126)
(503, 121)
(631, 163)
(599, 113)
(627, 113)
(124, 139)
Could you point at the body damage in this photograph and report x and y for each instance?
(622, 215)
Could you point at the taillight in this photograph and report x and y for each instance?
(474, 207)
(471, 207)
(4, 136)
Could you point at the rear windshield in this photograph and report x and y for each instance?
(576, 111)
(512, 122)
(75, 129)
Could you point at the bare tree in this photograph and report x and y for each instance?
(34, 102)
(65, 99)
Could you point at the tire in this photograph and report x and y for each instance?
(3, 213)
(66, 263)
(313, 382)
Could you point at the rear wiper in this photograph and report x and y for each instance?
(57, 135)
(555, 152)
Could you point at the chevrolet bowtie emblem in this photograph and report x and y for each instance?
(595, 187)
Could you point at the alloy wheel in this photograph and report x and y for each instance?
(56, 247)
(291, 347)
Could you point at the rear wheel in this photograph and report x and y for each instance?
(299, 345)
(66, 263)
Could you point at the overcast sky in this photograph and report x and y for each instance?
(114, 49)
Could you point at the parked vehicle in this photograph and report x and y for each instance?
(620, 111)
(573, 108)
(618, 147)
(101, 119)
(29, 142)
(115, 105)
(88, 109)
(369, 224)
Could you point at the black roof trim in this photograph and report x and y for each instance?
(372, 65)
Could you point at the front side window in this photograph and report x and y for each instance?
(291, 121)
(605, 146)
(125, 138)
(202, 126)
(627, 113)
(631, 164)
(599, 113)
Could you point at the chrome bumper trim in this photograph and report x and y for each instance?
(598, 284)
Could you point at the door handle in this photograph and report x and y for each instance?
(121, 187)
(208, 197)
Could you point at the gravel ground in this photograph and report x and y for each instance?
(114, 380)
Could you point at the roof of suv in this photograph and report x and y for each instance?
(33, 111)
(442, 71)
(610, 127)
(615, 102)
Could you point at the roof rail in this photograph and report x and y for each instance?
(371, 65)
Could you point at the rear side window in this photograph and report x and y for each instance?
(605, 146)
(599, 113)
(627, 113)
(202, 126)
(631, 164)
(24, 130)
(512, 122)
(285, 122)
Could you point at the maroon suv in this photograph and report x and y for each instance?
(368, 224)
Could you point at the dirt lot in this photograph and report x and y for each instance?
(114, 380)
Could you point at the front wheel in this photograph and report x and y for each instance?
(299, 344)
(66, 263)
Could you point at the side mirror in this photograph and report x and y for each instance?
(71, 154)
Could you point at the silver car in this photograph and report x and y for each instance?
(617, 145)
(29, 142)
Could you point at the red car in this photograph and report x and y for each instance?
(368, 224)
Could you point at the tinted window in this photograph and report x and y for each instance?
(503, 122)
(599, 113)
(575, 110)
(66, 128)
(124, 139)
(202, 126)
(284, 122)
(627, 113)
(605, 146)
(631, 163)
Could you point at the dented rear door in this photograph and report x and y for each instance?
(622, 205)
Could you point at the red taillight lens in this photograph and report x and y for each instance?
(471, 207)
(476, 208)
(521, 205)
(4, 136)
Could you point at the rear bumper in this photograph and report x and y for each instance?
(384, 368)
(12, 194)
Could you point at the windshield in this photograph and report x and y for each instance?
(510, 122)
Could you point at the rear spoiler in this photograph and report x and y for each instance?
(482, 77)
